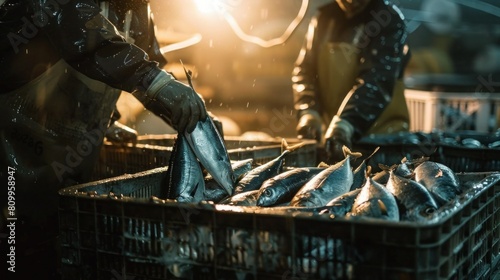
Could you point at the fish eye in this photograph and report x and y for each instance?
(429, 211)
(267, 192)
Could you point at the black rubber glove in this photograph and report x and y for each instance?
(176, 103)
(338, 134)
(120, 133)
(309, 125)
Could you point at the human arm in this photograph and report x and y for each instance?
(383, 56)
(304, 83)
(92, 45)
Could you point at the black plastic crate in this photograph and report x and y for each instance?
(396, 146)
(104, 235)
(470, 151)
(152, 151)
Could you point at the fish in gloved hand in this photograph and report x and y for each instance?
(210, 149)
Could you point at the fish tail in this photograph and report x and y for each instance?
(386, 167)
(188, 74)
(418, 161)
(372, 154)
(368, 171)
(323, 164)
(348, 152)
(286, 147)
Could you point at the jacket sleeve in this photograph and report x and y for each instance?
(381, 63)
(92, 45)
(304, 78)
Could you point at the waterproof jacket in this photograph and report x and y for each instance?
(383, 55)
(35, 34)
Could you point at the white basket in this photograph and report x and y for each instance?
(453, 111)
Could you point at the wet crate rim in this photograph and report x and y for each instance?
(72, 191)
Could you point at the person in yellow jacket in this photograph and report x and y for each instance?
(348, 76)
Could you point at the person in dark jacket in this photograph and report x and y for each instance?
(348, 76)
(63, 66)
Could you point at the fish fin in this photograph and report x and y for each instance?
(290, 148)
(439, 173)
(348, 152)
(368, 171)
(382, 206)
(323, 164)
(416, 162)
(188, 74)
(372, 154)
(284, 145)
(386, 167)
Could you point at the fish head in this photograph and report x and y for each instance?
(266, 197)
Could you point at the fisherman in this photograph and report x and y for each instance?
(64, 65)
(348, 75)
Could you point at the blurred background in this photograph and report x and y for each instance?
(242, 53)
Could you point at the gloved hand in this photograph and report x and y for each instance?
(176, 103)
(338, 134)
(309, 125)
(120, 133)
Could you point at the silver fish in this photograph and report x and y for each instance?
(186, 182)
(254, 179)
(328, 184)
(375, 201)
(208, 146)
(282, 187)
(415, 201)
(439, 179)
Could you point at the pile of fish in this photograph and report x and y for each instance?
(412, 190)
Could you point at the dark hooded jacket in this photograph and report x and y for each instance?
(383, 57)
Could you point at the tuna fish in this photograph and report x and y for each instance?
(282, 187)
(414, 200)
(208, 146)
(375, 201)
(439, 179)
(186, 182)
(334, 181)
(254, 179)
